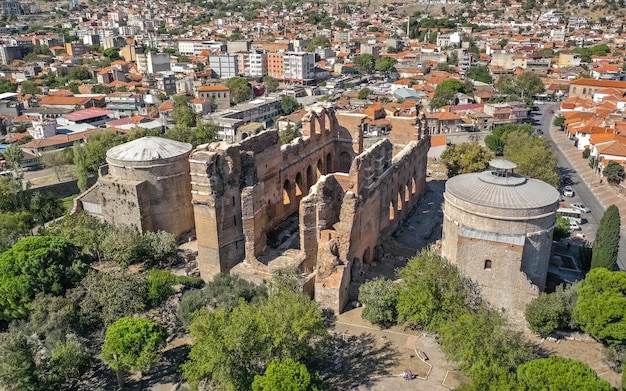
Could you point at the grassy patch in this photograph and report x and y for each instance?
(68, 202)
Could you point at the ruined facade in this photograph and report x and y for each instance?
(498, 229)
(320, 203)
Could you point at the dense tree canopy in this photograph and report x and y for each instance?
(231, 348)
(132, 344)
(364, 63)
(286, 375)
(446, 91)
(559, 374)
(480, 73)
(466, 158)
(601, 306)
(380, 299)
(551, 311)
(289, 104)
(606, 244)
(240, 89)
(614, 172)
(385, 64)
(535, 156)
(37, 264)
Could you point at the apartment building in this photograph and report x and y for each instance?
(219, 95)
(257, 64)
(225, 65)
(276, 65)
(299, 66)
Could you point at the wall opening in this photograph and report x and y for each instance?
(407, 194)
(413, 186)
(310, 179)
(320, 169)
(344, 162)
(298, 184)
(399, 200)
(329, 163)
(487, 264)
(366, 256)
(286, 195)
(392, 211)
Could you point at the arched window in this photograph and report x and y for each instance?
(487, 264)
(320, 168)
(310, 179)
(392, 212)
(298, 184)
(329, 163)
(344, 162)
(286, 190)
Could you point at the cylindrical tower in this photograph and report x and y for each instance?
(164, 166)
(497, 229)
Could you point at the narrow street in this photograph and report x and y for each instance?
(586, 185)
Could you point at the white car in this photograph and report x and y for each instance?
(568, 191)
(573, 226)
(580, 207)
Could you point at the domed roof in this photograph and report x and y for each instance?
(148, 149)
(505, 192)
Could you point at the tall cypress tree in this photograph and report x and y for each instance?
(607, 240)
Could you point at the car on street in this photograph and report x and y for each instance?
(568, 191)
(573, 226)
(580, 207)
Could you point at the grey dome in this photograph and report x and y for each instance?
(512, 192)
(148, 149)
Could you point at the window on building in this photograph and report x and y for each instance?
(487, 264)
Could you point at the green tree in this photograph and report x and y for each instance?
(17, 362)
(240, 90)
(606, 245)
(105, 297)
(7, 85)
(57, 160)
(561, 228)
(385, 64)
(318, 41)
(288, 134)
(558, 120)
(100, 89)
(364, 63)
(38, 264)
(559, 373)
(82, 229)
(480, 73)
(535, 156)
(68, 358)
(230, 348)
(529, 84)
(286, 375)
(364, 93)
(28, 87)
(380, 299)
(551, 311)
(79, 73)
(506, 85)
(122, 244)
(225, 291)
(466, 158)
(270, 83)
(112, 54)
(182, 114)
(44, 207)
(13, 227)
(447, 89)
(132, 344)
(432, 292)
(289, 104)
(614, 172)
(13, 156)
(95, 149)
(600, 309)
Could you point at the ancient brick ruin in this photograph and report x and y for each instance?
(321, 203)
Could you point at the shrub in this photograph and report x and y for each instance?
(586, 153)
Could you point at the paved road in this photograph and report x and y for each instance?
(587, 188)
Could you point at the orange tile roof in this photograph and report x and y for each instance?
(63, 100)
(212, 88)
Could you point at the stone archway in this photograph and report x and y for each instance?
(286, 192)
(345, 161)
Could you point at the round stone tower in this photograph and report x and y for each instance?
(154, 173)
(497, 229)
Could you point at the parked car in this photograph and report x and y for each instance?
(573, 226)
(580, 207)
(568, 191)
